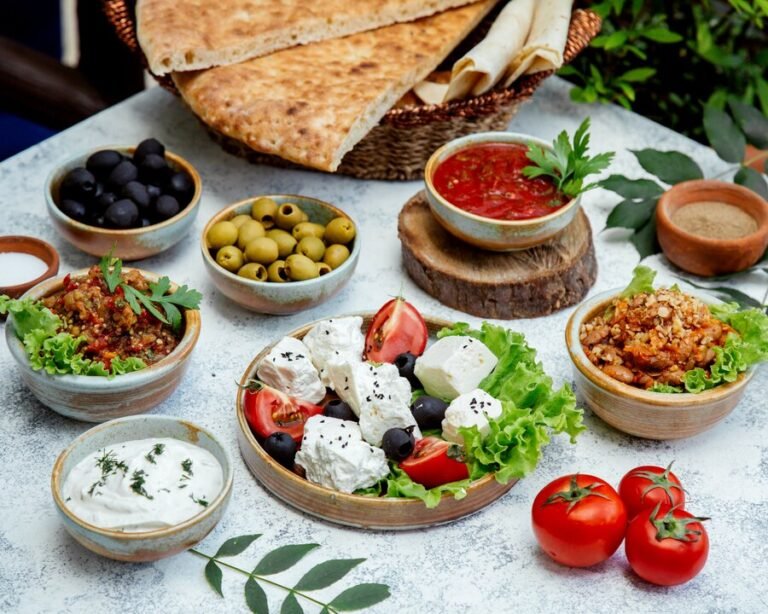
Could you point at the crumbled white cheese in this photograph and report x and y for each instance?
(288, 368)
(472, 408)
(333, 454)
(454, 365)
(339, 340)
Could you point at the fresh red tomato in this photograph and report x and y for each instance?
(579, 520)
(666, 547)
(269, 411)
(396, 328)
(645, 486)
(434, 462)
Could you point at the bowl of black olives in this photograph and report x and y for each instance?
(280, 254)
(138, 200)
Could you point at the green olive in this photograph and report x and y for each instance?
(336, 255)
(312, 247)
(340, 230)
(254, 271)
(230, 258)
(261, 249)
(264, 211)
(249, 231)
(307, 229)
(241, 219)
(300, 267)
(221, 234)
(323, 268)
(288, 215)
(285, 242)
(277, 273)
(304, 217)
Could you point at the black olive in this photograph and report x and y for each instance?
(181, 186)
(123, 173)
(153, 169)
(102, 162)
(74, 209)
(339, 409)
(398, 443)
(405, 364)
(145, 222)
(153, 191)
(122, 214)
(138, 193)
(166, 207)
(281, 447)
(429, 412)
(78, 184)
(147, 147)
(100, 204)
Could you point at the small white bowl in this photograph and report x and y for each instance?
(147, 545)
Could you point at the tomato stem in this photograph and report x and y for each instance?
(670, 527)
(575, 493)
(659, 480)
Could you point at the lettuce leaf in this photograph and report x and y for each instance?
(399, 484)
(642, 281)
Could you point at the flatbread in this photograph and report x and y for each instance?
(311, 104)
(179, 35)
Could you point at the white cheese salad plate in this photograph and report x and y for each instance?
(397, 421)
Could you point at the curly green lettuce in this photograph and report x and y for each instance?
(399, 484)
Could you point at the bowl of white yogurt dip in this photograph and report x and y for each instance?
(142, 488)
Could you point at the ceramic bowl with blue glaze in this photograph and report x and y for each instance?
(146, 545)
(281, 298)
(484, 232)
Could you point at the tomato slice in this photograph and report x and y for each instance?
(434, 462)
(268, 411)
(396, 328)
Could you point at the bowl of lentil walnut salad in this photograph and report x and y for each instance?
(661, 363)
(104, 342)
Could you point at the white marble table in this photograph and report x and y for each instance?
(486, 563)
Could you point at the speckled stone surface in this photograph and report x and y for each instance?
(486, 563)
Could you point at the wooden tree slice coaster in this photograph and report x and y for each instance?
(501, 285)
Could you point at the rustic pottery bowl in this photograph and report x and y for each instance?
(35, 247)
(146, 545)
(701, 255)
(96, 398)
(281, 298)
(378, 513)
(131, 243)
(652, 415)
(484, 232)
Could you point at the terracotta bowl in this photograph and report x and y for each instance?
(484, 232)
(132, 243)
(652, 415)
(35, 247)
(147, 545)
(95, 398)
(703, 256)
(349, 509)
(281, 298)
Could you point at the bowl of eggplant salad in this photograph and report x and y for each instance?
(396, 421)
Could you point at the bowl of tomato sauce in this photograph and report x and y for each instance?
(477, 191)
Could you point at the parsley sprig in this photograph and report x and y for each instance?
(111, 269)
(568, 165)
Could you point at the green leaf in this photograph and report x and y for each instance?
(236, 545)
(325, 574)
(360, 596)
(670, 166)
(725, 293)
(637, 75)
(644, 239)
(661, 35)
(750, 178)
(642, 282)
(753, 123)
(255, 597)
(631, 214)
(724, 135)
(283, 558)
(617, 39)
(291, 605)
(632, 188)
(213, 575)
(110, 269)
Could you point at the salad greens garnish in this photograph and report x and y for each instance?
(567, 164)
(321, 576)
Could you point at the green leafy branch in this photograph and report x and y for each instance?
(282, 558)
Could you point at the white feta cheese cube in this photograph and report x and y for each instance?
(351, 381)
(472, 408)
(339, 340)
(385, 404)
(454, 365)
(333, 454)
(288, 368)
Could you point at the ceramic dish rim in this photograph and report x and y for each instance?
(50, 271)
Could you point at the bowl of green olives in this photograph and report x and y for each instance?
(280, 254)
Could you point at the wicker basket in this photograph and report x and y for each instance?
(399, 146)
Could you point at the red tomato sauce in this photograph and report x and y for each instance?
(488, 180)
